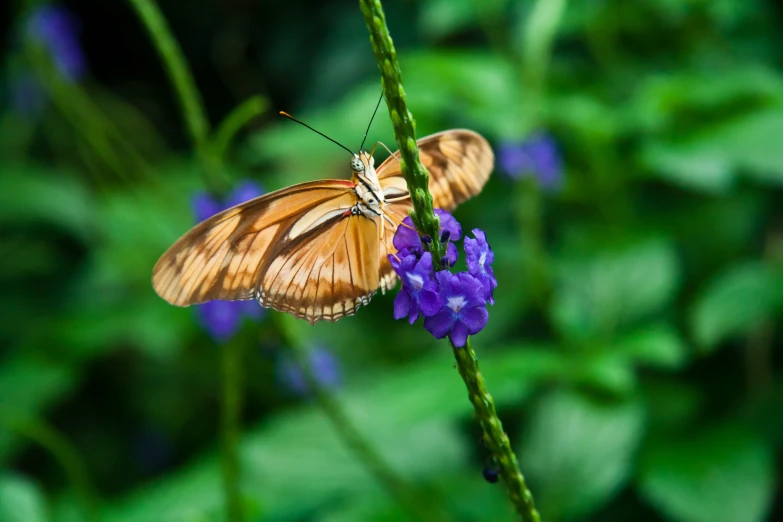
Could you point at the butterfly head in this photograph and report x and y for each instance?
(357, 165)
(362, 163)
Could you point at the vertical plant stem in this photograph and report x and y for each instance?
(407, 497)
(534, 264)
(416, 176)
(198, 129)
(184, 85)
(417, 180)
(232, 407)
(494, 436)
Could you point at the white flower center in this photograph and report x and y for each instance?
(456, 303)
(482, 259)
(415, 280)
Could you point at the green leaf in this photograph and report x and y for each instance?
(597, 294)
(735, 302)
(21, 500)
(688, 165)
(659, 346)
(578, 452)
(710, 160)
(34, 385)
(408, 415)
(30, 193)
(719, 476)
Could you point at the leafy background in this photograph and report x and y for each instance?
(633, 349)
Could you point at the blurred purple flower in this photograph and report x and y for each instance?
(323, 365)
(538, 156)
(56, 29)
(222, 318)
(480, 257)
(419, 292)
(464, 310)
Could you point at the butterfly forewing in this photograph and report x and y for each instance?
(301, 250)
(221, 258)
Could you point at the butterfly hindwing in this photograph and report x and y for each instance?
(459, 163)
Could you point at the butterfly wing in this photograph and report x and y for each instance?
(459, 162)
(295, 250)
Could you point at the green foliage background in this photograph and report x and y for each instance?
(633, 350)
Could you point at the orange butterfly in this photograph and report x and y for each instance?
(318, 250)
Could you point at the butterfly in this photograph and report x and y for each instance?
(319, 249)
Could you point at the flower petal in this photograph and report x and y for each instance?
(430, 301)
(459, 334)
(474, 319)
(439, 324)
(402, 304)
(407, 237)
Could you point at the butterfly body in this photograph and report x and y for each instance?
(317, 250)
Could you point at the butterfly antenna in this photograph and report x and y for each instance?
(283, 113)
(361, 147)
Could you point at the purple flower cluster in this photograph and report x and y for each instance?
(538, 156)
(452, 304)
(222, 318)
(56, 29)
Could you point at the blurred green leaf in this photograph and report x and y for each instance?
(37, 194)
(689, 165)
(735, 302)
(661, 100)
(710, 160)
(595, 295)
(441, 18)
(719, 476)
(659, 346)
(578, 452)
(408, 415)
(21, 500)
(27, 387)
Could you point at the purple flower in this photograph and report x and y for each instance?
(464, 310)
(223, 318)
(480, 257)
(323, 365)
(449, 224)
(538, 156)
(407, 238)
(56, 29)
(419, 292)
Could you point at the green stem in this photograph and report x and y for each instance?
(198, 128)
(496, 439)
(416, 176)
(182, 80)
(66, 455)
(232, 407)
(379, 469)
(529, 216)
(238, 118)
